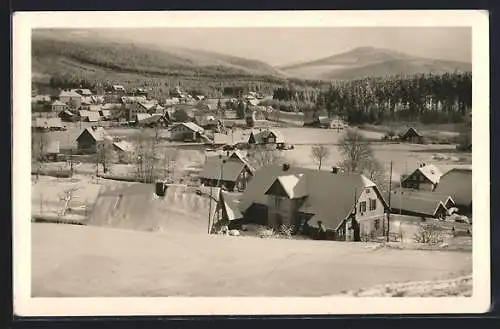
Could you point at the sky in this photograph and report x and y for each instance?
(282, 46)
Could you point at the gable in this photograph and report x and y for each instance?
(277, 189)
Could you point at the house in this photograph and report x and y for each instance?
(58, 106)
(425, 177)
(118, 88)
(148, 120)
(458, 184)
(186, 131)
(225, 172)
(420, 203)
(337, 123)
(412, 136)
(68, 116)
(47, 124)
(312, 118)
(41, 99)
(132, 99)
(91, 138)
(139, 107)
(71, 98)
(347, 206)
(266, 137)
(139, 206)
(89, 116)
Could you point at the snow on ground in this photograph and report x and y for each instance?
(84, 261)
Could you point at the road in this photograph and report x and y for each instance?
(80, 261)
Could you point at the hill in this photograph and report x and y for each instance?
(375, 62)
(95, 57)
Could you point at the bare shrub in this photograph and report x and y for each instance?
(429, 234)
(286, 231)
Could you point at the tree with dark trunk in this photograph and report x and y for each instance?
(320, 153)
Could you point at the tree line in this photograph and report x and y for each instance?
(429, 98)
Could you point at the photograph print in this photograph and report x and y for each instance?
(248, 161)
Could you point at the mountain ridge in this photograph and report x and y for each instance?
(366, 61)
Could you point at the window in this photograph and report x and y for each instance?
(373, 204)
(367, 190)
(362, 207)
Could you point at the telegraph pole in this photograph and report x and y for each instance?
(389, 212)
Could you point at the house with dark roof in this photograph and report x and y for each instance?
(232, 173)
(458, 184)
(425, 177)
(412, 136)
(266, 137)
(91, 138)
(68, 116)
(342, 206)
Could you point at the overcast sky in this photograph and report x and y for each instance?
(280, 46)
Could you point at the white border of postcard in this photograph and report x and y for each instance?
(25, 305)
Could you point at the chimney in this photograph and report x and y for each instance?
(335, 170)
(286, 166)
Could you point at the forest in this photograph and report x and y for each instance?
(427, 98)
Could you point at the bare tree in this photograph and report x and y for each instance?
(357, 153)
(105, 155)
(67, 196)
(39, 145)
(319, 154)
(263, 156)
(147, 155)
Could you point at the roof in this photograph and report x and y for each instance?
(41, 98)
(118, 87)
(70, 93)
(84, 92)
(143, 116)
(97, 133)
(93, 116)
(95, 108)
(215, 167)
(135, 205)
(58, 103)
(412, 132)
(425, 207)
(124, 146)
(458, 184)
(68, 113)
(191, 125)
(151, 119)
(419, 194)
(325, 200)
(429, 171)
(48, 123)
(109, 106)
